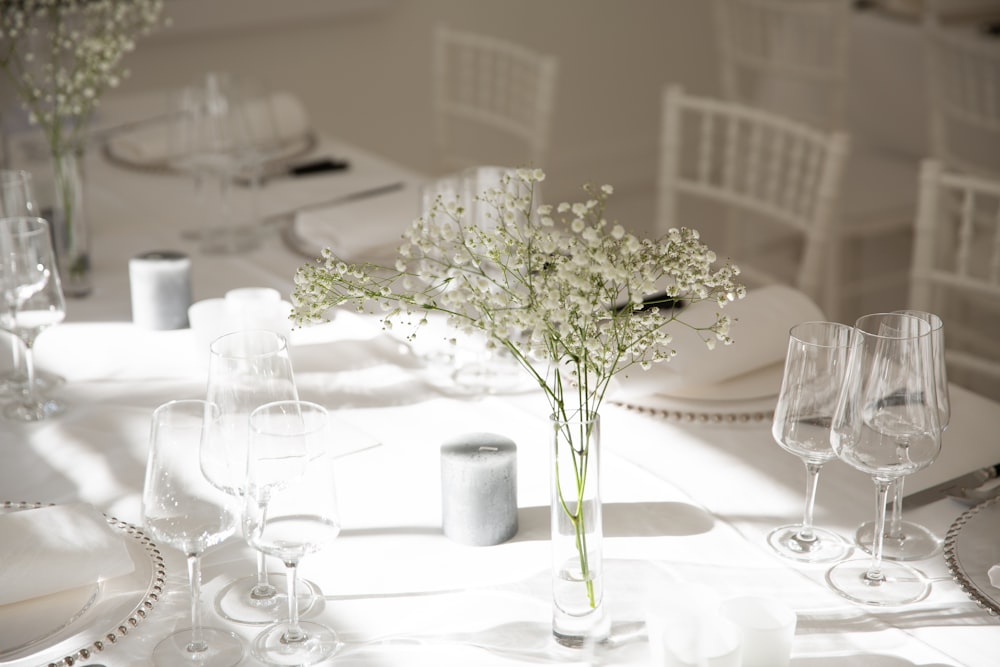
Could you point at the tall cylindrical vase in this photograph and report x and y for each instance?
(578, 615)
(66, 211)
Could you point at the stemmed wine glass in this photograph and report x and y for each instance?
(182, 509)
(886, 424)
(246, 369)
(815, 367)
(32, 301)
(906, 540)
(16, 199)
(290, 511)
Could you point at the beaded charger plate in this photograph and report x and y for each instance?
(971, 547)
(747, 399)
(65, 628)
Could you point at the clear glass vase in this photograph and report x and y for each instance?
(65, 208)
(578, 615)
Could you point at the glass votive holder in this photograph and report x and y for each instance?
(767, 628)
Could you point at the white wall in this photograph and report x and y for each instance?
(362, 69)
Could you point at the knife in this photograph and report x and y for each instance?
(959, 487)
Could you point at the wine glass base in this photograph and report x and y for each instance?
(916, 543)
(235, 602)
(36, 411)
(222, 649)
(900, 584)
(320, 643)
(827, 546)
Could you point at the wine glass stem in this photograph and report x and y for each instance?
(29, 373)
(294, 633)
(812, 480)
(197, 643)
(262, 590)
(895, 528)
(874, 574)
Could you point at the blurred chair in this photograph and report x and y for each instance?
(963, 95)
(767, 176)
(492, 101)
(956, 270)
(792, 57)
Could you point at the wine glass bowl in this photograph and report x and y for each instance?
(815, 367)
(31, 301)
(291, 510)
(182, 509)
(887, 425)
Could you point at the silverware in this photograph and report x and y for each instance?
(963, 487)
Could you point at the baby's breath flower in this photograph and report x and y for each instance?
(563, 291)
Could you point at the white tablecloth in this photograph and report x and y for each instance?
(684, 502)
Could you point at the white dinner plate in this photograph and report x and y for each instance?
(748, 398)
(971, 548)
(76, 624)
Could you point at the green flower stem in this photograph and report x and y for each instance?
(581, 460)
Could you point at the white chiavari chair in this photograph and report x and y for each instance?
(492, 101)
(767, 174)
(956, 270)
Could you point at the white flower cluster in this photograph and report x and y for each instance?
(563, 289)
(62, 55)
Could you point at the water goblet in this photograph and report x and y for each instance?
(887, 425)
(182, 509)
(290, 511)
(906, 540)
(31, 301)
(246, 369)
(815, 366)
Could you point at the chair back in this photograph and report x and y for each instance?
(786, 56)
(963, 88)
(956, 269)
(492, 101)
(779, 171)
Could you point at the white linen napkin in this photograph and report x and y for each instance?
(153, 144)
(368, 229)
(761, 323)
(52, 549)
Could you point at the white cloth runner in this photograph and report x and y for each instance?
(52, 549)
(152, 144)
(761, 322)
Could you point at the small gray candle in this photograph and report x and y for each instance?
(479, 489)
(161, 289)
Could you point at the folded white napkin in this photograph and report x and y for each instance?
(761, 323)
(52, 549)
(153, 143)
(367, 229)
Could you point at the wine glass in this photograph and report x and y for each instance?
(886, 424)
(32, 301)
(225, 129)
(16, 199)
(182, 509)
(906, 540)
(815, 367)
(246, 369)
(291, 510)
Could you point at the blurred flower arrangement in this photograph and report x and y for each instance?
(574, 298)
(61, 56)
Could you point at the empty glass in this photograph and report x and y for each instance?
(887, 424)
(290, 511)
(906, 540)
(246, 369)
(815, 367)
(31, 300)
(182, 509)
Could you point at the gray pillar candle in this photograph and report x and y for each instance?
(479, 489)
(161, 289)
